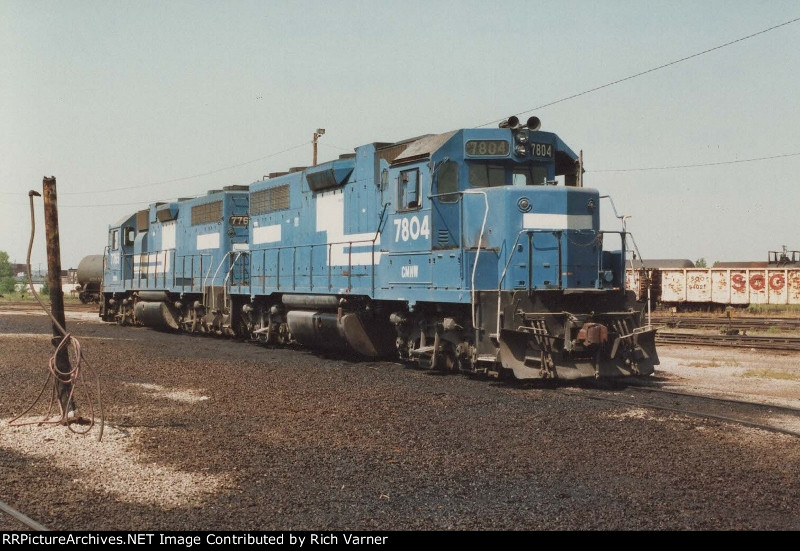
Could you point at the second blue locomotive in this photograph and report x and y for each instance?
(476, 250)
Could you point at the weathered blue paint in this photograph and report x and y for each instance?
(173, 254)
(472, 248)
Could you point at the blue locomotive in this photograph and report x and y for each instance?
(476, 250)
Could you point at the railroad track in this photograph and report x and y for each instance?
(742, 341)
(769, 417)
(742, 324)
(33, 306)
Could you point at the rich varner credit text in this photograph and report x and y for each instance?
(188, 541)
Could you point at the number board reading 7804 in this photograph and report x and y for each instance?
(487, 147)
(500, 148)
(542, 150)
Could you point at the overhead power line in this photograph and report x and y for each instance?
(643, 169)
(137, 186)
(596, 88)
(665, 65)
(695, 165)
(89, 205)
(340, 148)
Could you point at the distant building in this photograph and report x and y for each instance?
(69, 277)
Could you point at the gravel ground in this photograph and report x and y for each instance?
(752, 374)
(210, 434)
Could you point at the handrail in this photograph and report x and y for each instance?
(191, 269)
(221, 262)
(225, 281)
(478, 249)
(529, 232)
(311, 246)
(106, 254)
(560, 235)
(152, 257)
(503, 275)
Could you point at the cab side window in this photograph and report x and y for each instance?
(408, 190)
(130, 237)
(447, 182)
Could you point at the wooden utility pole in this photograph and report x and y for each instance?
(56, 293)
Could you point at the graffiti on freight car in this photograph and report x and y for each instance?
(738, 282)
(794, 286)
(757, 282)
(721, 285)
(697, 283)
(776, 282)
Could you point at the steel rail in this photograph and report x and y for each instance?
(691, 413)
(766, 405)
(742, 341)
(733, 323)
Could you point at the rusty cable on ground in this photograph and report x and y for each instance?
(24, 519)
(74, 376)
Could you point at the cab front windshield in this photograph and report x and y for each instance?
(491, 175)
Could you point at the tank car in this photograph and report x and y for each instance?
(90, 278)
(476, 250)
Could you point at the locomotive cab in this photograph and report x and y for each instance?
(546, 299)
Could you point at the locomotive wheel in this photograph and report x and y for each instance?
(448, 361)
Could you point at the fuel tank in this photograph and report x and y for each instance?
(333, 331)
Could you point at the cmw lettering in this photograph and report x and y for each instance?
(409, 271)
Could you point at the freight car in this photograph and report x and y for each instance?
(476, 250)
(90, 278)
(775, 281)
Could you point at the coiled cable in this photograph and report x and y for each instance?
(75, 377)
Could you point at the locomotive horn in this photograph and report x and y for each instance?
(512, 122)
(534, 123)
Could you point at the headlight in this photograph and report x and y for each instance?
(520, 150)
(521, 137)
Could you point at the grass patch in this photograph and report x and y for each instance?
(762, 309)
(713, 362)
(69, 298)
(771, 374)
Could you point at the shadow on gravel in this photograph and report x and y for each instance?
(616, 384)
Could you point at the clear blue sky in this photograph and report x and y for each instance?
(107, 95)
